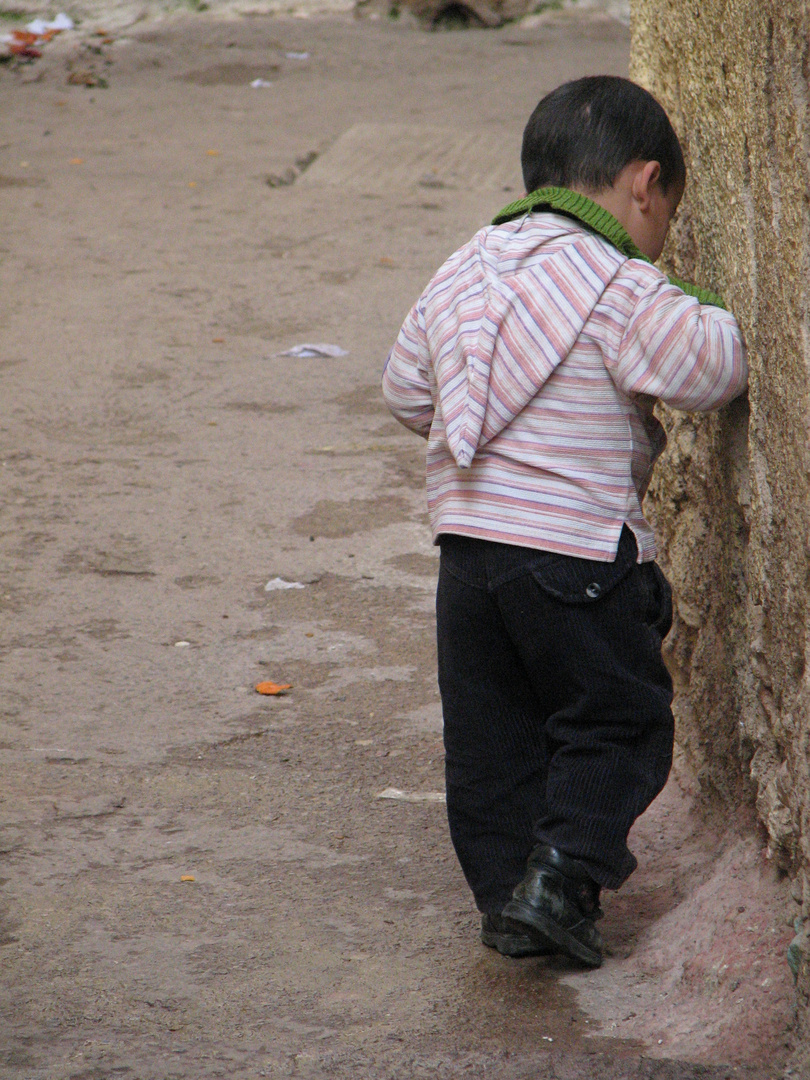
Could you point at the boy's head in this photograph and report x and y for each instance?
(611, 140)
(584, 133)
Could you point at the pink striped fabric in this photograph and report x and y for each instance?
(531, 363)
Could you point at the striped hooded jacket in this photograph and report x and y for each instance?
(531, 363)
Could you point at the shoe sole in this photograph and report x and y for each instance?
(522, 918)
(515, 949)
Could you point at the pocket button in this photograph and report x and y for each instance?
(593, 591)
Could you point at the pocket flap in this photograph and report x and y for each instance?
(585, 581)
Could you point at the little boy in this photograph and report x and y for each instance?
(531, 363)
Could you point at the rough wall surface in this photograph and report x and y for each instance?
(730, 501)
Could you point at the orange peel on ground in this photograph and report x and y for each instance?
(272, 687)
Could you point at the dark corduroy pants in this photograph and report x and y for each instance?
(556, 702)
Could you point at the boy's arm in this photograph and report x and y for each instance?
(406, 383)
(688, 354)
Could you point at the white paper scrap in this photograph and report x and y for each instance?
(42, 26)
(260, 84)
(412, 796)
(308, 350)
(280, 583)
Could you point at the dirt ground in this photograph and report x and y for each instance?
(199, 881)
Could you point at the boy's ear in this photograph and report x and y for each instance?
(645, 179)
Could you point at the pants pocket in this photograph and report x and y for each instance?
(585, 581)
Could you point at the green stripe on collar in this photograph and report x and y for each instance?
(601, 221)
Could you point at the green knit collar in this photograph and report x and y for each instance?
(601, 221)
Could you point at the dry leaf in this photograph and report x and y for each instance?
(272, 688)
(85, 77)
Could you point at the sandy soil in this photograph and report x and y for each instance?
(168, 232)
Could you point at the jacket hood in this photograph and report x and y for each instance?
(520, 295)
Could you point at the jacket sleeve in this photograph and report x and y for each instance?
(406, 382)
(688, 354)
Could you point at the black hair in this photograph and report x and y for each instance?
(585, 132)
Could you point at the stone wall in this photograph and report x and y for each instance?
(730, 501)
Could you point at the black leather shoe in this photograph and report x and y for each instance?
(496, 935)
(557, 902)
